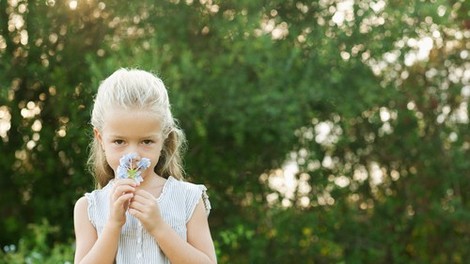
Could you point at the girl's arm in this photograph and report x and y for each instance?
(198, 249)
(90, 248)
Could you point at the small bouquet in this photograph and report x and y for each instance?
(130, 168)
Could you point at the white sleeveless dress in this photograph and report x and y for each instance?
(177, 203)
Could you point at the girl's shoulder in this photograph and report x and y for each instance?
(98, 205)
(187, 192)
(99, 196)
(101, 191)
(183, 187)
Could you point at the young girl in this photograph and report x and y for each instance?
(159, 220)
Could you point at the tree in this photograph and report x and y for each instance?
(43, 111)
(354, 93)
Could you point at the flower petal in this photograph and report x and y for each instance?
(138, 177)
(122, 172)
(143, 164)
(127, 159)
(126, 163)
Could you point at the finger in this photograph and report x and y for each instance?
(123, 198)
(123, 189)
(130, 182)
(145, 194)
(135, 213)
(142, 199)
(118, 193)
(137, 206)
(122, 186)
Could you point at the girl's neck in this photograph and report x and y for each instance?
(153, 184)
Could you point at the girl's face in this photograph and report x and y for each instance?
(127, 131)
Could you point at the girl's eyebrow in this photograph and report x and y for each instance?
(152, 136)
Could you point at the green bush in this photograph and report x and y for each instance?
(37, 247)
(340, 90)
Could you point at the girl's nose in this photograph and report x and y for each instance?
(135, 150)
(137, 157)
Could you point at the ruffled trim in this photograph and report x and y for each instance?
(205, 200)
(197, 192)
(91, 207)
(165, 187)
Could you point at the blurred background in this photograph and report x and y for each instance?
(327, 131)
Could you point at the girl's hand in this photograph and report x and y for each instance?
(145, 208)
(122, 193)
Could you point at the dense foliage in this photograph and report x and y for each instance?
(368, 100)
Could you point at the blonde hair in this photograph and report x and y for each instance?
(136, 89)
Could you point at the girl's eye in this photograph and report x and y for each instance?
(118, 142)
(147, 142)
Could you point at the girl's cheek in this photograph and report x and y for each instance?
(120, 150)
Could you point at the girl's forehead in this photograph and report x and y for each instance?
(123, 113)
(131, 122)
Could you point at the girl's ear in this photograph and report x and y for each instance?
(98, 136)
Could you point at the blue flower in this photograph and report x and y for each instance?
(143, 164)
(129, 169)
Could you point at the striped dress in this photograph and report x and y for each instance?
(177, 203)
